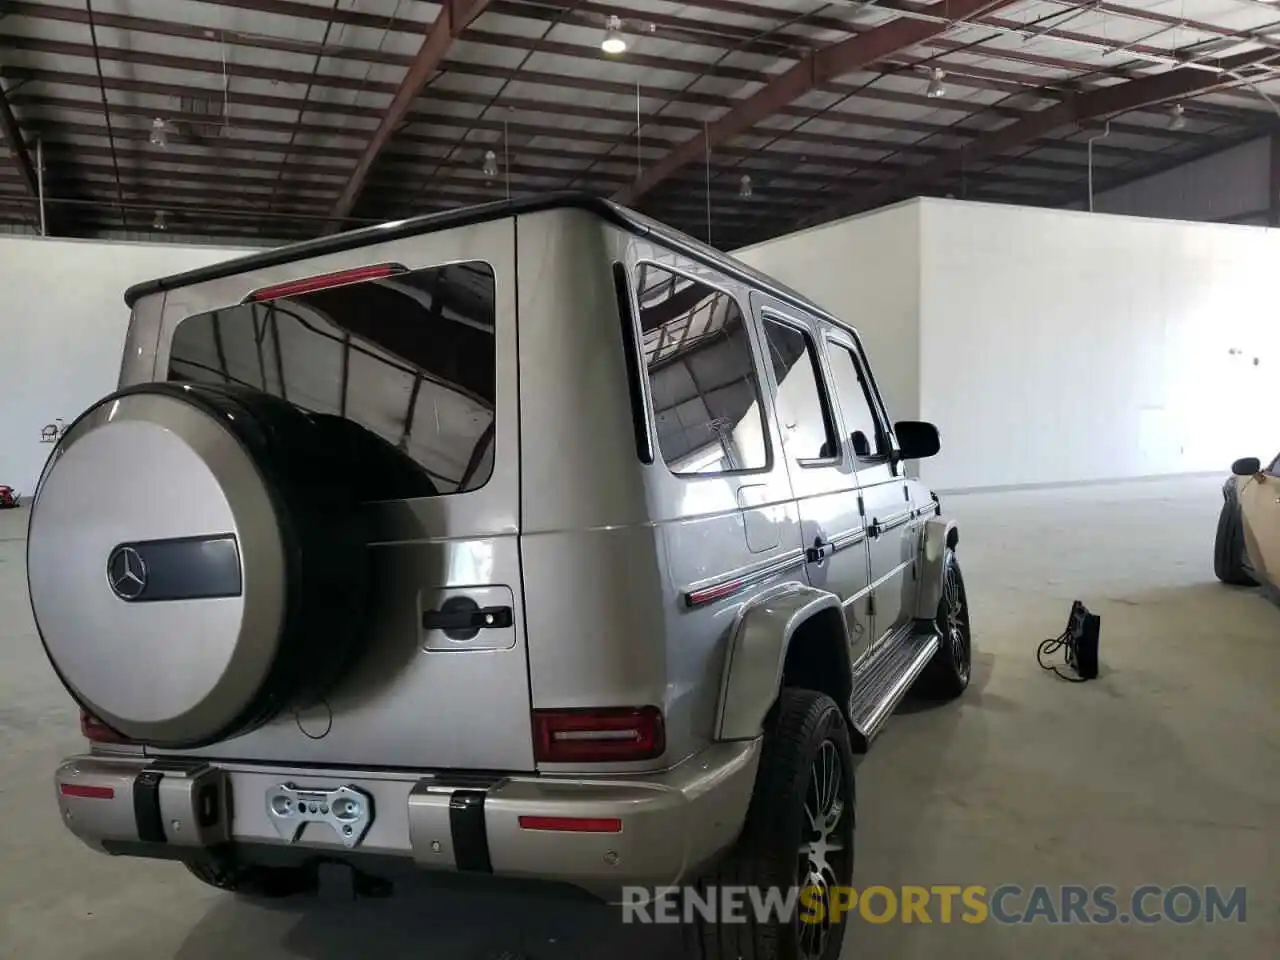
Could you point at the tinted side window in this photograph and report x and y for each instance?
(702, 377)
(804, 412)
(855, 404)
(401, 369)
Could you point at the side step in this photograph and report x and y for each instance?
(885, 680)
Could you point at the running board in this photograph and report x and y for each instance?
(885, 680)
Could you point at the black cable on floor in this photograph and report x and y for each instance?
(1051, 646)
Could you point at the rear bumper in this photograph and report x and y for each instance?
(668, 825)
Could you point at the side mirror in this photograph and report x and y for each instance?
(1246, 466)
(917, 439)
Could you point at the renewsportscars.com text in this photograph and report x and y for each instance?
(939, 903)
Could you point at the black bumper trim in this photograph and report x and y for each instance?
(146, 807)
(467, 829)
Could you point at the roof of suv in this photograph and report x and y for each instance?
(628, 219)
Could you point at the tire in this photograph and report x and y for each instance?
(267, 883)
(173, 472)
(805, 738)
(947, 675)
(1228, 548)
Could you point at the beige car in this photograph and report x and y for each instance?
(1247, 548)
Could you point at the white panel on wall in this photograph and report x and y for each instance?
(62, 327)
(1055, 346)
(866, 271)
(1063, 346)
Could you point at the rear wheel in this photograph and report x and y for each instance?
(1228, 548)
(798, 835)
(947, 675)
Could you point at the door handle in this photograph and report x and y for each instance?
(818, 553)
(874, 530)
(461, 618)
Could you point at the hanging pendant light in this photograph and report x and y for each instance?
(490, 168)
(159, 133)
(614, 43)
(744, 187)
(936, 87)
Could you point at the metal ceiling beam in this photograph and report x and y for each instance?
(223, 185)
(825, 65)
(11, 133)
(1094, 105)
(789, 147)
(454, 17)
(770, 179)
(962, 75)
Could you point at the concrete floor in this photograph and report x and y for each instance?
(1166, 771)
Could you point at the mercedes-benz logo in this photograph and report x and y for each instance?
(126, 573)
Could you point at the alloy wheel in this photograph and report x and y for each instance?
(824, 849)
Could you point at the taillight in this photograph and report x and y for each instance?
(95, 731)
(598, 736)
(324, 281)
(573, 824)
(86, 792)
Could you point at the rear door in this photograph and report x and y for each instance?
(1260, 509)
(423, 356)
(822, 477)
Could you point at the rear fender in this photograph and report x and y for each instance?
(939, 534)
(757, 653)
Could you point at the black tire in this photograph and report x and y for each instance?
(1228, 548)
(947, 675)
(804, 729)
(266, 883)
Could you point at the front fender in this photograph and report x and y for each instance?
(939, 534)
(757, 653)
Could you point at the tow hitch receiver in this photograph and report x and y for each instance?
(347, 809)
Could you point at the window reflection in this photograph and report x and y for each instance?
(803, 409)
(400, 371)
(702, 375)
(851, 393)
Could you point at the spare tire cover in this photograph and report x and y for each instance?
(169, 538)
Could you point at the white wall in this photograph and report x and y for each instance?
(1055, 346)
(62, 327)
(866, 271)
(1063, 346)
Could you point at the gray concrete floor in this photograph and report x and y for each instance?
(1165, 771)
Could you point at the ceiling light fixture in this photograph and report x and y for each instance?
(744, 187)
(614, 42)
(936, 88)
(159, 133)
(1177, 117)
(159, 223)
(490, 168)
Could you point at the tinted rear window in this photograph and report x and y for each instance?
(410, 359)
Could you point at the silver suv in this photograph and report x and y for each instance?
(534, 540)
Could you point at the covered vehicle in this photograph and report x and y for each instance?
(1246, 551)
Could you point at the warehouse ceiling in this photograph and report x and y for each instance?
(731, 119)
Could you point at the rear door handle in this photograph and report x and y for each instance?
(461, 618)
